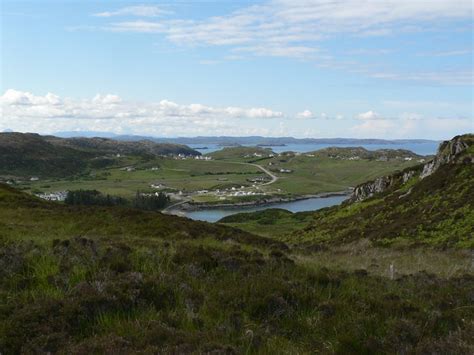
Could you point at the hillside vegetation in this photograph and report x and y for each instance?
(89, 279)
(244, 154)
(28, 154)
(430, 204)
(113, 280)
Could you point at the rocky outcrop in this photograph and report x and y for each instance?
(367, 190)
(407, 175)
(449, 152)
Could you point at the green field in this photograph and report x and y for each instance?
(186, 175)
(314, 175)
(231, 168)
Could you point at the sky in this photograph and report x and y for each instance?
(303, 68)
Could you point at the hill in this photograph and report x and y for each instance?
(27, 154)
(428, 204)
(248, 154)
(251, 140)
(141, 147)
(362, 153)
(115, 280)
(77, 279)
(32, 155)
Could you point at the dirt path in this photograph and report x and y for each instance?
(273, 177)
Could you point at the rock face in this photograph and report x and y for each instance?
(369, 189)
(449, 152)
(408, 175)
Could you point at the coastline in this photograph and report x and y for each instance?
(187, 206)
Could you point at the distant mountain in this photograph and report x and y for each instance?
(251, 140)
(29, 154)
(85, 134)
(258, 140)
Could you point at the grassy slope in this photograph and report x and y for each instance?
(325, 174)
(439, 211)
(24, 155)
(94, 280)
(189, 175)
(29, 155)
(243, 154)
(272, 222)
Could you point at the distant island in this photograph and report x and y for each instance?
(236, 141)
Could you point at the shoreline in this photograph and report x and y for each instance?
(189, 206)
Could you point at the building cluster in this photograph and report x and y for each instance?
(53, 196)
(259, 179)
(259, 155)
(202, 157)
(233, 191)
(196, 157)
(157, 186)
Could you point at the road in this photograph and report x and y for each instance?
(186, 199)
(268, 172)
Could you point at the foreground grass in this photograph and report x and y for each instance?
(272, 222)
(380, 261)
(83, 295)
(113, 280)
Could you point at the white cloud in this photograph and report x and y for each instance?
(138, 10)
(368, 116)
(444, 77)
(287, 23)
(305, 114)
(106, 99)
(25, 111)
(375, 128)
(279, 51)
(139, 26)
(297, 28)
(14, 97)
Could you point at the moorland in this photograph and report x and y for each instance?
(389, 271)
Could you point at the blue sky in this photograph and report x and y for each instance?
(321, 68)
